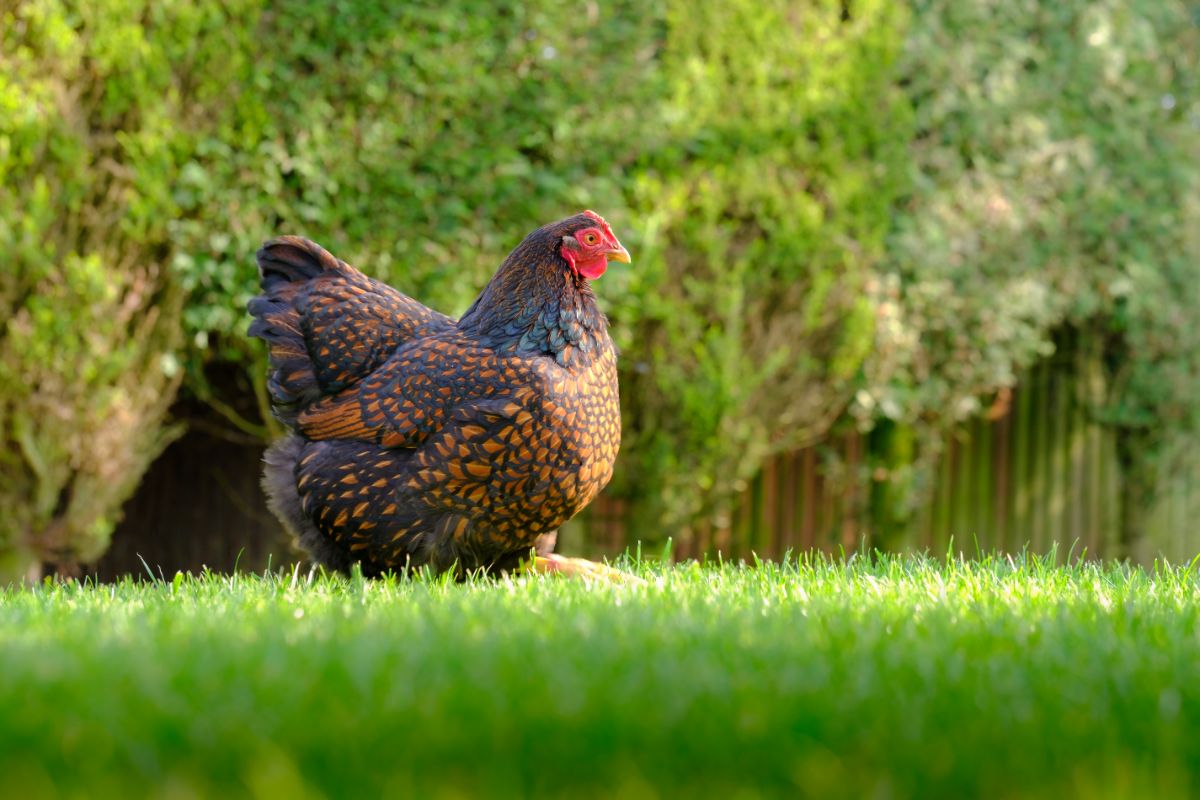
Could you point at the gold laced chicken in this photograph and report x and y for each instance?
(419, 440)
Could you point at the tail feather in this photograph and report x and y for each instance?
(326, 324)
(291, 380)
(285, 267)
(288, 261)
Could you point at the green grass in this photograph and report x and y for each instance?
(882, 678)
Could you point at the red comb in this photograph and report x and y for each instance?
(603, 224)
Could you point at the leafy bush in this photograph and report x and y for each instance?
(748, 174)
(765, 201)
(99, 105)
(1054, 183)
(830, 204)
(751, 177)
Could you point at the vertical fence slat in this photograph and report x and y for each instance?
(1039, 451)
(788, 485)
(984, 537)
(962, 535)
(945, 516)
(825, 529)
(849, 493)
(1022, 469)
(768, 543)
(1095, 484)
(1001, 492)
(808, 510)
(757, 495)
(1078, 476)
(1060, 524)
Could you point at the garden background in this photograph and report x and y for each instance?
(909, 276)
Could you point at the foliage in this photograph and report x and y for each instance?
(878, 677)
(163, 142)
(764, 203)
(866, 203)
(751, 178)
(99, 105)
(1054, 183)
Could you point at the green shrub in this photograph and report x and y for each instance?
(765, 201)
(100, 103)
(828, 204)
(1054, 182)
(738, 148)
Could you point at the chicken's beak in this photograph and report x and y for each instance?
(619, 253)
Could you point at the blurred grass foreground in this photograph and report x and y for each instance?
(892, 677)
(862, 231)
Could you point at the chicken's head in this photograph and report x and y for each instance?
(589, 243)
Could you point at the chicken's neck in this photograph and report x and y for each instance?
(532, 311)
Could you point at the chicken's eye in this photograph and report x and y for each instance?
(590, 238)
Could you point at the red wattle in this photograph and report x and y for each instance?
(592, 269)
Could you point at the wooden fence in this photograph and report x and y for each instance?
(1038, 472)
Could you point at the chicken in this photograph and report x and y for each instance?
(417, 440)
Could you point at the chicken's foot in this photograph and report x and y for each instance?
(579, 568)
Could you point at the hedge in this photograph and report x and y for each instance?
(101, 105)
(1055, 182)
(840, 206)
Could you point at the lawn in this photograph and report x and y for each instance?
(891, 677)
